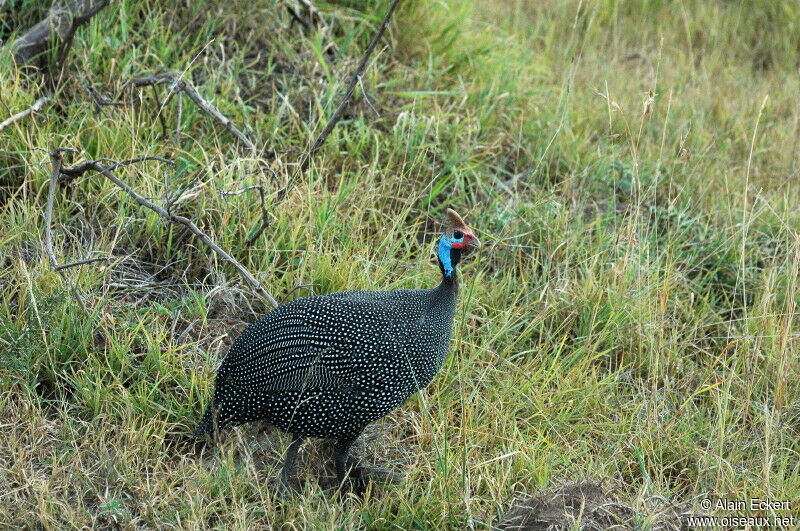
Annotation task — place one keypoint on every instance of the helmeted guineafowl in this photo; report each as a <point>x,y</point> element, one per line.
<point>326,366</point>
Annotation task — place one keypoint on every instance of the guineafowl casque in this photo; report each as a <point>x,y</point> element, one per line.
<point>326,366</point>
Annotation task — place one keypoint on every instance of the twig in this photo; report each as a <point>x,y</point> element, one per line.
<point>264,213</point>
<point>260,188</point>
<point>61,267</point>
<point>309,287</point>
<point>179,85</point>
<point>210,109</point>
<point>362,65</point>
<point>179,119</point>
<point>297,17</point>
<point>161,118</point>
<point>313,19</point>
<point>337,115</point>
<point>56,160</point>
<point>366,97</point>
<point>22,114</point>
<point>313,14</point>
<point>71,172</point>
<point>100,100</point>
<point>174,218</point>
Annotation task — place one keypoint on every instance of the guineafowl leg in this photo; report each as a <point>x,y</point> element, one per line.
<point>291,456</point>
<point>345,474</point>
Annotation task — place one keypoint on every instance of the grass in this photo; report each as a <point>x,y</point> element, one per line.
<point>631,168</point>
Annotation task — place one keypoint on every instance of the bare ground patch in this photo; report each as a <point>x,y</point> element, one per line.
<point>587,505</point>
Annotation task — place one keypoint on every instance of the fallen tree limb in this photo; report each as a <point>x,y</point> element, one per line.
<point>63,21</point>
<point>106,170</point>
<point>22,114</point>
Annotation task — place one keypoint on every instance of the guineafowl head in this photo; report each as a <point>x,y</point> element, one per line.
<point>455,240</point>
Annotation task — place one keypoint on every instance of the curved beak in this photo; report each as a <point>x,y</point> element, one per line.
<point>474,242</point>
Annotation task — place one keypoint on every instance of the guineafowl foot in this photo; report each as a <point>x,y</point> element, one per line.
<point>355,482</point>
<point>350,477</point>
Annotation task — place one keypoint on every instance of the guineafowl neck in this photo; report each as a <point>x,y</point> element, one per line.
<point>450,284</point>
<point>445,293</point>
<point>439,317</point>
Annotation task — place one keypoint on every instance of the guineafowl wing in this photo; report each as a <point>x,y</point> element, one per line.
<point>312,343</point>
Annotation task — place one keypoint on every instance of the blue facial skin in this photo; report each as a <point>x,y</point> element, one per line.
<point>445,244</point>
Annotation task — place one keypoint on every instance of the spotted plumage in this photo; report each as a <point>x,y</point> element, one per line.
<point>326,366</point>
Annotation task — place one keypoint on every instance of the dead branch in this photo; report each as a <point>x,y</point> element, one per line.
<point>22,114</point>
<point>297,17</point>
<point>101,100</point>
<point>56,160</point>
<point>309,287</point>
<point>69,173</point>
<point>63,21</point>
<point>97,166</point>
<point>61,267</point>
<point>337,115</point>
<point>309,17</point>
<point>264,212</point>
<point>311,12</point>
<point>362,65</point>
<point>178,85</point>
<point>179,119</point>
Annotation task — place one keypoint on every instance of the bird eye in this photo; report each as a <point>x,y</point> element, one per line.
<point>457,234</point>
